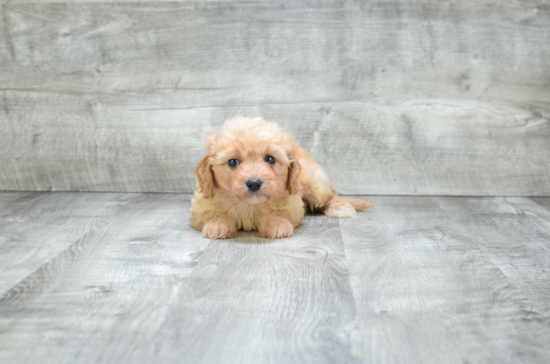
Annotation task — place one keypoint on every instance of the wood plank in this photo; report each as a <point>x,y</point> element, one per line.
<point>36,227</point>
<point>252,300</point>
<point>516,237</point>
<point>129,267</point>
<point>542,201</point>
<point>146,287</point>
<point>432,281</point>
<point>13,203</point>
<point>520,2</point>
<point>392,98</point>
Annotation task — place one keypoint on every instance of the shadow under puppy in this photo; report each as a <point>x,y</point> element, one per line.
<point>256,177</point>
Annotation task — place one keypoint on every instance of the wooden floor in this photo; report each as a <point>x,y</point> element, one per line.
<point>123,278</point>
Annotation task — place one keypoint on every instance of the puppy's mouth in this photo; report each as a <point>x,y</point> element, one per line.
<point>255,198</point>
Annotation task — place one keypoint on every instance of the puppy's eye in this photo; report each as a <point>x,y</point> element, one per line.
<point>269,159</point>
<point>233,163</point>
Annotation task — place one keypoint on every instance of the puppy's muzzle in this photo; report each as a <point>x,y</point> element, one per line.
<point>254,184</point>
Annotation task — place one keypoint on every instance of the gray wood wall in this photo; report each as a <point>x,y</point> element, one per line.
<point>431,97</point>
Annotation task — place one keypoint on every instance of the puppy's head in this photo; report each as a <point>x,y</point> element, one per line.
<point>251,159</point>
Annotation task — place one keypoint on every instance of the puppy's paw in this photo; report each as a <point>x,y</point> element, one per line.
<point>219,229</point>
<point>340,209</point>
<point>275,227</point>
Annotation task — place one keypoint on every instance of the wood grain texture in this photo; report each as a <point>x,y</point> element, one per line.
<point>253,300</point>
<point>36,227</point>
<point>416,279</point>
<point>123,272</point>
<point>452,280</point>
<point>521,250</point>
<point>145,287</point>
<point>420,97</point>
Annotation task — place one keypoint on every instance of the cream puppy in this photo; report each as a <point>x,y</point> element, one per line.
<point>256,177</point>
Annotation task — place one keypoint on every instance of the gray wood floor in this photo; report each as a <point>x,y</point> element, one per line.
<point>123,278</point>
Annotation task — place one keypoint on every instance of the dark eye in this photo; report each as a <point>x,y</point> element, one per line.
<point>233,163</point>
<point>269,159</point>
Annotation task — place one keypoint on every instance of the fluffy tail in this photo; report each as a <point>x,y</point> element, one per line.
<point>345,207</point>
<point>358,205</point>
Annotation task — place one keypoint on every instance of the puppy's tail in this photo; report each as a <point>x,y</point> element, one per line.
<point>358,205</point>
<point>345,207</point>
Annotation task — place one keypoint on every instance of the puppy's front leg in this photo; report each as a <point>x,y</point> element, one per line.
<point>275,227</point>
<point>281,216</point>
<point>219,228</point>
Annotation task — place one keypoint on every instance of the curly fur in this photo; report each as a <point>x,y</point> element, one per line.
<point>294,184</point>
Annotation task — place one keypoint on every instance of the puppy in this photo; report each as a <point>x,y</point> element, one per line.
<point>256,177</point>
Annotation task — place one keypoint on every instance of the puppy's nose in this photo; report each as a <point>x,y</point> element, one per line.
<point>254,184</point>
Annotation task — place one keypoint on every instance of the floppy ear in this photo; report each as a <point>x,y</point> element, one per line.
<point>205,177</point>
<point>292,182</point>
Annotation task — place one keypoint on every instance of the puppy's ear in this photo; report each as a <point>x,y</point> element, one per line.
<point>205,177</point>
<point>292,182</point>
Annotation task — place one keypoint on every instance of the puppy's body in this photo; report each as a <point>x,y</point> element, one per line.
<point>291,182</point>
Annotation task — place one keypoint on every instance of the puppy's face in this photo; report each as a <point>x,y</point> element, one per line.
<point>250,159</point>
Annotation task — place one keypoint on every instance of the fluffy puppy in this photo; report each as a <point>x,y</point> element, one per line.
<point>256,177</point>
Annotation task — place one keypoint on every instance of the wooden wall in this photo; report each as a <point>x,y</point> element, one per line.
<point>392,97</point>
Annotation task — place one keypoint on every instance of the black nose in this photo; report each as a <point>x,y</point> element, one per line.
<point>254,184</point>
